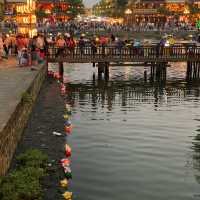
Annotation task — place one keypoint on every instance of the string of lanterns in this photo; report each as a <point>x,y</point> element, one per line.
<point>65,162</point>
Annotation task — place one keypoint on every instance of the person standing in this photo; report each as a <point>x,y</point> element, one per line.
<point>81,45</point>
<point>20,42</point>
<point>1,47</point>
<point>32,47</point>
<point>60,44</point>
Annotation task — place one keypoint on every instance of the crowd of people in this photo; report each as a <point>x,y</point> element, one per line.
<point>31,51</point>
<point>90,26</point>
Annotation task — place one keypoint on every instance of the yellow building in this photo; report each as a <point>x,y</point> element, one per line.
<point>23,13</point>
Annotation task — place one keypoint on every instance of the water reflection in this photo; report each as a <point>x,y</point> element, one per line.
<point>125,94</point>
<point>140,133</point>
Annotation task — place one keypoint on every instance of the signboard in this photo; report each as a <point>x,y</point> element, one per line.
<point>145,11</point>
<point>175,1</point>
<point>16,1</point>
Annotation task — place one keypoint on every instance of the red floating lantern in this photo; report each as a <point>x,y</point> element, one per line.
<point>68,129</point>
<point>65,162</point>
<point>68,150</point>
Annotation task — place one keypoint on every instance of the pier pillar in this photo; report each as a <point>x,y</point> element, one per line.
<point>152,75</point>
<point>158,71</point>
<point>193,71</point>
<point>61,69</point>
<point>145,76</point>
<point>106,71</point>
<point>103,67</point>
<point>100,69</point>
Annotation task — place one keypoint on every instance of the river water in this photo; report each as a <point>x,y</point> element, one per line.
<point>131,141</point>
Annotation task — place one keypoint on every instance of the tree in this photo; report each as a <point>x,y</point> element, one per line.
<point>76,7</point>
<point>163,10</point>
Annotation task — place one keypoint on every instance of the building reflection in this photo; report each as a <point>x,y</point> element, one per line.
<point>127,93</point>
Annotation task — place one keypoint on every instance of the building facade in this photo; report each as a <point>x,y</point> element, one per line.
<point>21,13</point>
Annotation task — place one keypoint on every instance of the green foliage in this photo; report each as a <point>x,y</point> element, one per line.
<point>40,13</point>
<point>114,8</point>
<point>24,182</point>
<point>193,9</point>
<point>163,10</point>
<point>76,7</point>
<point>27,98</point>
<point>32,158</point>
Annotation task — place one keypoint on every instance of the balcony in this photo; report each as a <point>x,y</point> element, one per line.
<point>146,11</point>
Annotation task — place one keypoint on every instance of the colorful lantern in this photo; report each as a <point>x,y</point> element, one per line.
<point>64,183</point>
<point>65,162</point>
<point>68,151</point>
<point>67,123</point>
<point>68,129</point>
<point>67,195</point>
<point>66,117</point>
<point>68,172</point>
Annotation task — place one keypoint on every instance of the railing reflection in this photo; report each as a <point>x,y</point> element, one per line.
<point>102,93</point>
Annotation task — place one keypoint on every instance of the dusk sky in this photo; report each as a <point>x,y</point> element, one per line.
<point>89,3</point>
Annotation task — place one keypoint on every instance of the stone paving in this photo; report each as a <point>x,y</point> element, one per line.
<point>13,82</point>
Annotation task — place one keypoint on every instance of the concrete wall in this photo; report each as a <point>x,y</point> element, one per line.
<point>12,132</point>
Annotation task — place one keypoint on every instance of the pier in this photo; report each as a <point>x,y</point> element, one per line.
<point>156,57</point>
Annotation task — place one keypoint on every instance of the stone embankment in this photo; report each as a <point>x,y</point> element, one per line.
<point>19,88</point>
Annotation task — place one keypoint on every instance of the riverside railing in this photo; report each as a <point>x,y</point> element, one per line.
<point>125,54</point>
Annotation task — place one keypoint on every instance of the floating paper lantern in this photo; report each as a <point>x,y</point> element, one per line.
<point>68,129</point>
<point>68,150</point>
<point>65,162</point>
<point>68,172</point>
<point>64,183</point>
<point>67,123</point>
<point>68,109</point>
<point>67,195</point>
<point>66,116</point>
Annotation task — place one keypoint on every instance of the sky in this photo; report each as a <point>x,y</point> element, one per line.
<point>89,3</point>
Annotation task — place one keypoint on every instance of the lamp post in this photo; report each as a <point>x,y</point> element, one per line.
<point>128,13</point>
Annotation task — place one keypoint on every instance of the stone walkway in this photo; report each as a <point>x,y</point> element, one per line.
<point>13,82</point>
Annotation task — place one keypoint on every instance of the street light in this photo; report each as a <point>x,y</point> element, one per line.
<point>128,12</point>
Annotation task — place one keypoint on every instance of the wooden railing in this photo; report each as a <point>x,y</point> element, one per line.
<point>125,54</point>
